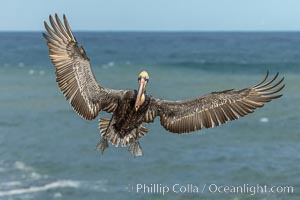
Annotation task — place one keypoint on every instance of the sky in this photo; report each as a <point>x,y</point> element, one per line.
<point>154,15</point>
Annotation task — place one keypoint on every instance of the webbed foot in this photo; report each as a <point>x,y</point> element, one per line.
<point>135,149</point>
<point>102,145</point>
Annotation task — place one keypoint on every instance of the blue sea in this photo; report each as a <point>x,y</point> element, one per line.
<point>48,152</point>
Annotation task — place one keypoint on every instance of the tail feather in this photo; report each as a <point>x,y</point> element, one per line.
<point>143,130</point>
<point>115,138</point>
<point>133,135</point>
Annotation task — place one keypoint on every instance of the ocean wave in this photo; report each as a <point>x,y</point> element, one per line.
<point>30,171</point>
<point>264,120</point>
<point>22,166</point>
<point>29,181</point>
<point>10,184</point>
<point>99,186</point>
<point>49,186</point>
<point>57,195</point>
<point>108,65</point>
<point>31,72</point>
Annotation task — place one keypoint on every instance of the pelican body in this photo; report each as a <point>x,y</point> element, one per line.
<point>125,127</point>
<point>131,108</point>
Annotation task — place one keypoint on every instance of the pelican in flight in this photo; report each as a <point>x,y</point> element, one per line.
<point>131,108</point>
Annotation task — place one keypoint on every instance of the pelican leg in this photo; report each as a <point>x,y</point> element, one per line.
<point>102,145</point>
<point>135,149</point>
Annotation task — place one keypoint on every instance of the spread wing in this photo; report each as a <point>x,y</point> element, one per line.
<point>74,74</point>
<point>212,109</point>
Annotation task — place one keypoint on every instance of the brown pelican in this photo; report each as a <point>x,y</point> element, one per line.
<point>131,108</point>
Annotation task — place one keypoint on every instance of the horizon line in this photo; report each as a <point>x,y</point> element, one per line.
<point>162,31</point>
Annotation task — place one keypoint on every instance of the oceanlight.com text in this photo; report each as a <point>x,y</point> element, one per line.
<point>249,189</point>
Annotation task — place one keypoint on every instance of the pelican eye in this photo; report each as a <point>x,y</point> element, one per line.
<point>146,79</point>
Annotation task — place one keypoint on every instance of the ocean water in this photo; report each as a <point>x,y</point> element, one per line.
<point>48,152</point>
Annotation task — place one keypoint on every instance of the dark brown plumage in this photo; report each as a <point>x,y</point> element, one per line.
<point>131,108</point>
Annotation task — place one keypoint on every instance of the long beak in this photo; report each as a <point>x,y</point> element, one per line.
<point>142,83</point>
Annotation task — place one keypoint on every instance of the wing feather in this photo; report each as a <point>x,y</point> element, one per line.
<point>213,109</point>
<point>74,74</point>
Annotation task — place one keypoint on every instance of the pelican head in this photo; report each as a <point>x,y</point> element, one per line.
<point>143,80</point>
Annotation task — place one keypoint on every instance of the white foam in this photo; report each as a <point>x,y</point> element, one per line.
<point>35,175</point>
<point>111,64</point>
<point>96,185</point>
<point>9,184</point>
<point>22,166</point>
<point>57,195</point>
<point>108,65</point>
<point>31,72</point>
<point>57,184</point>
<point>264,120</point>
<point>29,171</point>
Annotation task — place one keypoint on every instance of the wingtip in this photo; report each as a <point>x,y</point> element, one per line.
<point>65,18</point>
<point>264,79</point>
<point>277,96</point>
<point>54,15</point>
<point>46,25</point>
<point>44,35</point>
<point>280,88</point>
<point>50,18</point>
<point>57,17</point>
